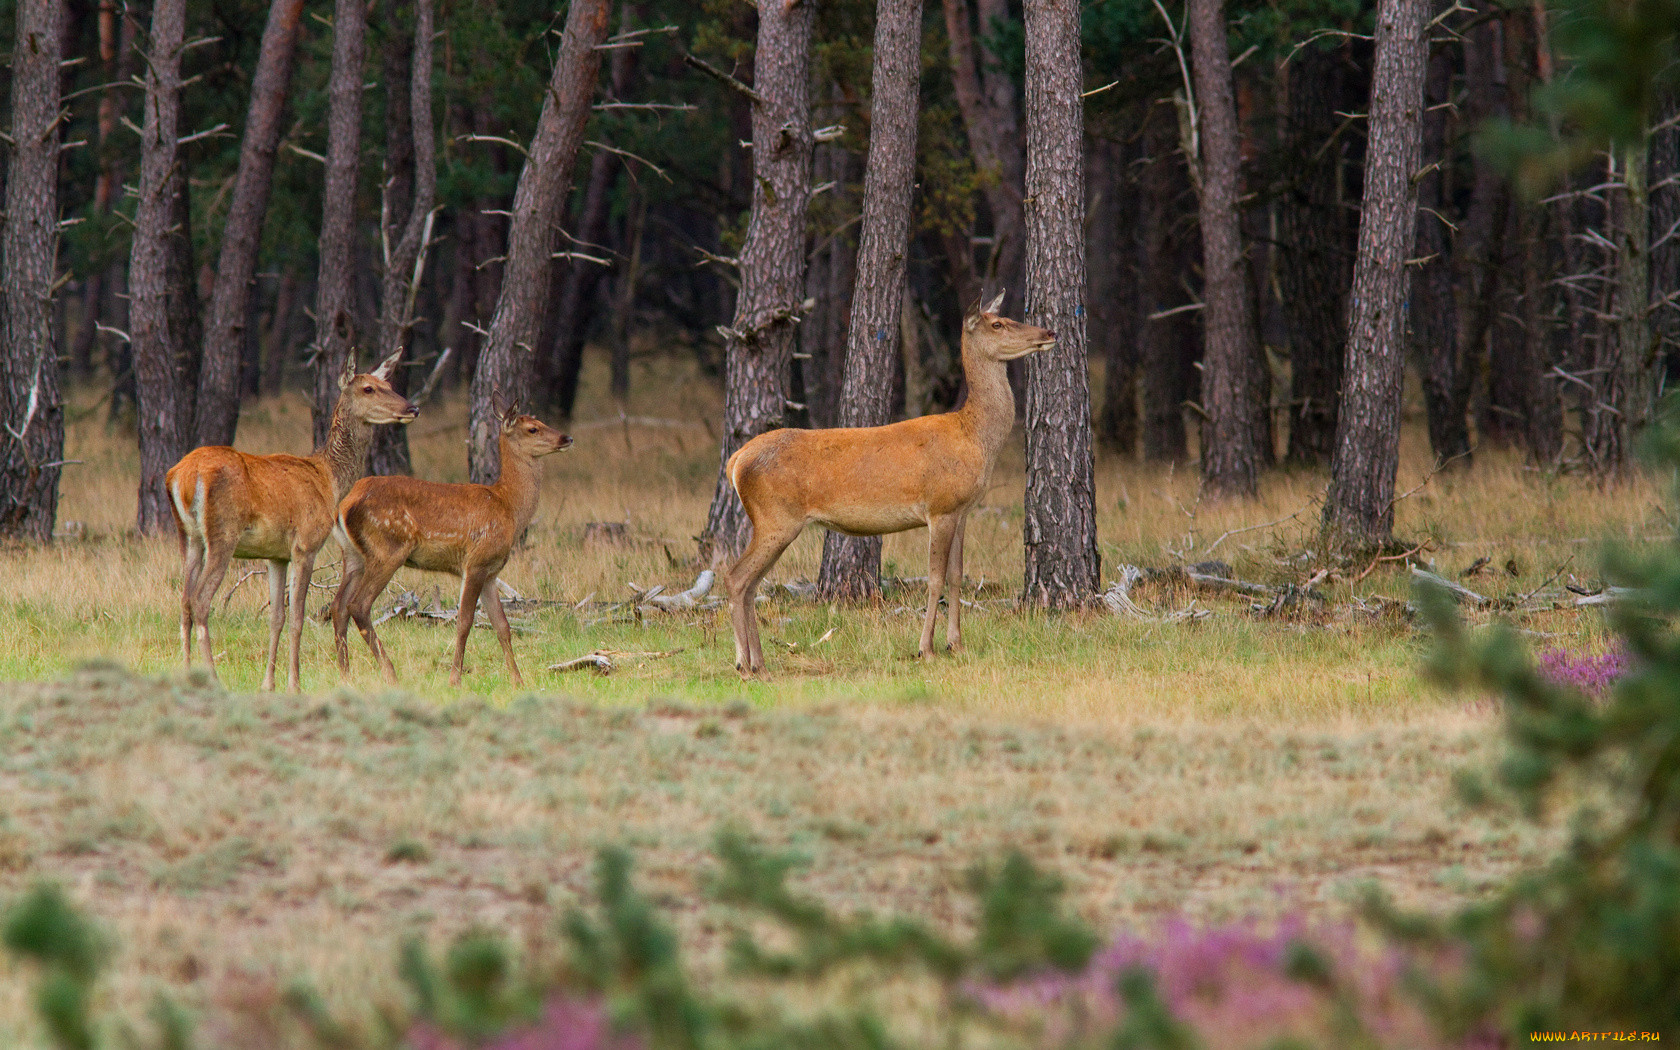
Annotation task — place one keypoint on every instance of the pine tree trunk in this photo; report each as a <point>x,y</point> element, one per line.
<point>851,565</point>
<point>1359,508</point>
<point>335,310</point>
<point>32,442</point>
<point>506,364</point>
<point>164,399</point>
<point>1113,294</point>
<point>758,345</point>
<point>406,231</point>
<point>1230,458</point>
<point>1167,346</point>
<point>1440,356</point>
<point>1628,372</point>
<point>1062,565</point>
<point>1316,265</point>
<point>230,301</point>
<point>986,98</point>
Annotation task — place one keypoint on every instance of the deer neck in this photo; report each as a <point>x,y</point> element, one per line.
<point>989,412</point>
<point>518,483</point>
<point>345,452</point>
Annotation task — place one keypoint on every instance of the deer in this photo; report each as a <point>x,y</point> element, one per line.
<point>868,481</point>
<point>386,523</point>
<point>231,504</point>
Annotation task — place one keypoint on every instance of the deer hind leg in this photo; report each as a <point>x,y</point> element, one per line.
<point>303,570</point>
<point>742,585</point>
<point>953,588</point>
<point>276,617</point>
<point>354,566</point>
<point>492,602</point>
<point>472,583</point>
<point>942,532</point>
<point>218,554</point>
<point>369,583</point>
<point>192,567</point>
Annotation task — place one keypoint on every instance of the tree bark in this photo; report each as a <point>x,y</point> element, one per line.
<point>505,364</point>
<point>164,399</point>
<point>1113,293</point>
<point>1359,508</point>
<point>758,344</point>
<point>230,301</point>
<point>32,442</point>
<point>851,565</point>
<point>1230,458</point>
<point>1060,531</point>
<point>1627,373</point>
<point>406,233</point>
<point>1167,346</point>
<point>1317,260</point>
<point>335,310</point>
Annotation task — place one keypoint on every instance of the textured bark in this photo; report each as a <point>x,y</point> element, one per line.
<point>1317,257</point>
<point>758,344</point>
<point>32,442</point>
<point>106,184</point>
<point>230,301</point>
<point>1359,508</point>
<point>406,222</point>
<point>277,340</point>
<point>1060,531</point>
<point>986,98</point>
<point>577,280</point>
<point>164,398</point>
<point>506,363</point>
<point>1230,456</point>
<point>1167,346</point>
<point>1665,216</point>
<point>1113,286</point>
<point>851,565</point>
<point>1440,355</point>
<point>1484,242</point>
<point>1626,379</point>
<point>335,310</point>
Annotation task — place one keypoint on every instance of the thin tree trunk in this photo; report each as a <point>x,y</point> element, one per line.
<point>625,300</point>
<point>758,345</point>
<point>1114,292</point>
<point>1167,346</point>
<point>851,565</point>
<point>32,441</point>
<point>1230,459</point>
<point>986,98</point>
<point>1359,508</point>
<point>505,364</point>
<point>277,342</point>
<point>1628,369</point>
<point>165,417</point>
<point>406,233</point>
<point>1441,363</point>
<point>335,310</point>
<point>1060,531</point>
<point>1317,264</point>
<point>230,302</point>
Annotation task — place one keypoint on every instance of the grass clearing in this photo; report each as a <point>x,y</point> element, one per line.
<point>1231,767</point>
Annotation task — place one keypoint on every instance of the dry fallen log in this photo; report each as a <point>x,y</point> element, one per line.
<point>600,663</point>
<point>1458,591</point>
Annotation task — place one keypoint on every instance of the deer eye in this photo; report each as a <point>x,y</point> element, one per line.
<point>367,389</point>
<point>530,430</point>
<point>997,324</point>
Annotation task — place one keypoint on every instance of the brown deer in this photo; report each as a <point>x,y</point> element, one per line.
<point>231,504</point>
<point>467,530</point>
<point>867,481</point>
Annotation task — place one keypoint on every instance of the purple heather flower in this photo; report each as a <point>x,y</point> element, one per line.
<point>1591,674</point>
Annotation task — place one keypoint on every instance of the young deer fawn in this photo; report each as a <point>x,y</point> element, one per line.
<point>230,504</point>
<point>867,481</point>
<point>467,530</point>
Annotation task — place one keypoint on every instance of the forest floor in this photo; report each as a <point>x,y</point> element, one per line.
<point>1236,765</point>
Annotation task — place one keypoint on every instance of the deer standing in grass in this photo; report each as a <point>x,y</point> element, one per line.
<point>868,481</point>
<point>231,504</point>
<point>468,530</point>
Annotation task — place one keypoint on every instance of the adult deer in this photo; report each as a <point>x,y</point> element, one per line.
<point>231,504</point>
<point>467,530</point>
<point>868,481</point>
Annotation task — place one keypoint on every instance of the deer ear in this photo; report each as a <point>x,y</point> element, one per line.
<point>387,366</point>
<point>349,372</point>
<point>997,304</point>
<point>510,416</point>
<point>971,319</point>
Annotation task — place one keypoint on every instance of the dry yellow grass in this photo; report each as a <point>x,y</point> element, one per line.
<point>1234,766</point>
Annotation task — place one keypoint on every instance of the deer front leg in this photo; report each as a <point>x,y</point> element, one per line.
<point>504,633</point>
<point>472,583</point>
<point>276,617</point>
<point>941,533</point>
<point>303,570</point>
<point>953,585</point>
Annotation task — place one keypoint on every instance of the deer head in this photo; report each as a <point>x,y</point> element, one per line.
<point>1000,339</point>
<point>371,398</point>
<point>528,435</point>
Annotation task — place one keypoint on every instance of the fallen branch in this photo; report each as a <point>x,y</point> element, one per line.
<point>1458,591</point>
<point>685,600</point>
<point>598,662</point>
